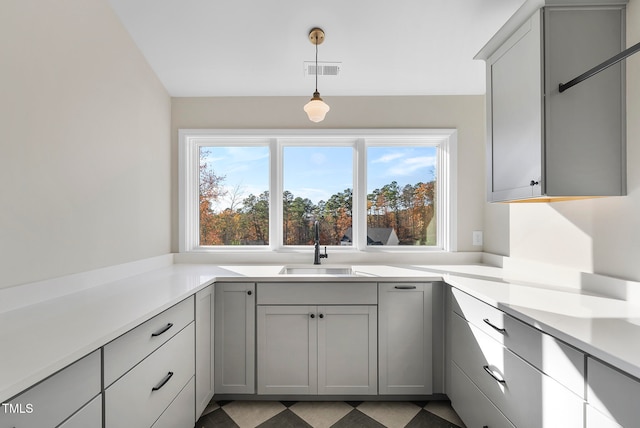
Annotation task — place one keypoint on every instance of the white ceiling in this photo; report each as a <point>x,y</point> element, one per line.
<point>257,47</point>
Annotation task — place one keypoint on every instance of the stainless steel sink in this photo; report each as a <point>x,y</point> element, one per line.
<point>317,270</point>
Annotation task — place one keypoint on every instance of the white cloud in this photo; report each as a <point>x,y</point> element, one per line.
<point>313,194</point>
<point>411,165</point>
<point>388,158</point>
<point>318,158</point>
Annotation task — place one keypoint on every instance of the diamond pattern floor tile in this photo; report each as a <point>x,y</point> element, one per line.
<point>321,414</point>
<point>396,414</point>
<point>445,411</point>
<point>212,406</point>
<point>357,419</point>
<point>216,419</point>
<point>425,419</point>
<point>285,419</point>
<point>329,414</point>
<point>250,414</point>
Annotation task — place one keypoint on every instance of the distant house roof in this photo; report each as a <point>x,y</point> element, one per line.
<point>375,236</point>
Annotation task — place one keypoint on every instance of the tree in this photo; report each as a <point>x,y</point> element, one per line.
<point>209,192</point>
<point>409,210</point>
<point>256,218</point>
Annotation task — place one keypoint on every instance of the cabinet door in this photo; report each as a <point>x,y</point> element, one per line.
<point>89,416</point>
<point>204,349</point>
<point>234,338</point>
<point>347,350</point>
<point>514,109</point>
<point>287,350</point>
<point>585,126</point>
<point>405,334</point>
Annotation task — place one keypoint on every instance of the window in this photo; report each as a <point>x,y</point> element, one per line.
<point>401,189</point>
<point>317,182</point>
<point>233,195</point>
<point>369,190</point>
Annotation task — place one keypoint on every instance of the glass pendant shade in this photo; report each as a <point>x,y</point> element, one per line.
<point>316,109</point>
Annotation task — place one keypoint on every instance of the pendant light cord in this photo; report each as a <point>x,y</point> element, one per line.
<point>316,63</point>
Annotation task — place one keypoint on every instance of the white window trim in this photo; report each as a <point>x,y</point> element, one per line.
<point>188,179</point>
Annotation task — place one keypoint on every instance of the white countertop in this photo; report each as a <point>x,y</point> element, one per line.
<point>40,339</point>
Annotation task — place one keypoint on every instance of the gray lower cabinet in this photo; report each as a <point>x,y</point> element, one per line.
<point>147,370</point>
<point>612,396</point>
<point>58,397</point>
<point>405,338</point>
<point>471,404</point>
<point>234,338</point>
<point>87,417</point>
<point>529,377</point>
<point>179,414</point>
<point>311,349</point>
<point>143,394</point>
<point>204,317</point>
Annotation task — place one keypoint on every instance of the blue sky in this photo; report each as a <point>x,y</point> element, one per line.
<point>406,165</point>
<point>246,168</point>
<point>318,172</point>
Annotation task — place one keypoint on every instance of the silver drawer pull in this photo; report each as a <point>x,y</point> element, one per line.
<point>498,329</point>
<point>497,379</point>
<point>405,287</point>
<point>162,382</point>
<point>162,330</point>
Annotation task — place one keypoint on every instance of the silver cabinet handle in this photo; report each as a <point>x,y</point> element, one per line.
<point>497,379</point>
<point>405,287</point>
<point>498,329</point>
<point>162,382</point>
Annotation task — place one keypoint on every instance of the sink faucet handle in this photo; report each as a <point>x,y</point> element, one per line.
<point>325,255</point>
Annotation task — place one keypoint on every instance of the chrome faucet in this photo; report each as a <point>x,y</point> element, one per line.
<point>316,247</point>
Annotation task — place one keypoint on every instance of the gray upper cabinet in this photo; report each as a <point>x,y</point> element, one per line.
<point>543,144</point>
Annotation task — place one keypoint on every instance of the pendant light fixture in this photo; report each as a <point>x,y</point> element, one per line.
<point>316,109</point>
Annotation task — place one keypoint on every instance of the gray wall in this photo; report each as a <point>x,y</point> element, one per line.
<point>85,147</point>
<point>466,113</point>
<point>597,235</point>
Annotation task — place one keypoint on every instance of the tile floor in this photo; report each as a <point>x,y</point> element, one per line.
<point>333,414</point>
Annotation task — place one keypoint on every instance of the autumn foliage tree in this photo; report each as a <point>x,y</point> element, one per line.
<point>409,211</point>
<point>210,191</point>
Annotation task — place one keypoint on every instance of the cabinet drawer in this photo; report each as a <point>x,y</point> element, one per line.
<point>317,293</point>
<point>595,419</point>
<point>90,416</point>
<point>509,382</point>
<point>56,398</point>
<point>549,355</point>
<point>132,401</point>
<point>129,349</point>
<point>613,393</point>
<point>180,412</point>
<point>472,405</point>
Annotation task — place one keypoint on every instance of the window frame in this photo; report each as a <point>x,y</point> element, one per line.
<point>190,141</point>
